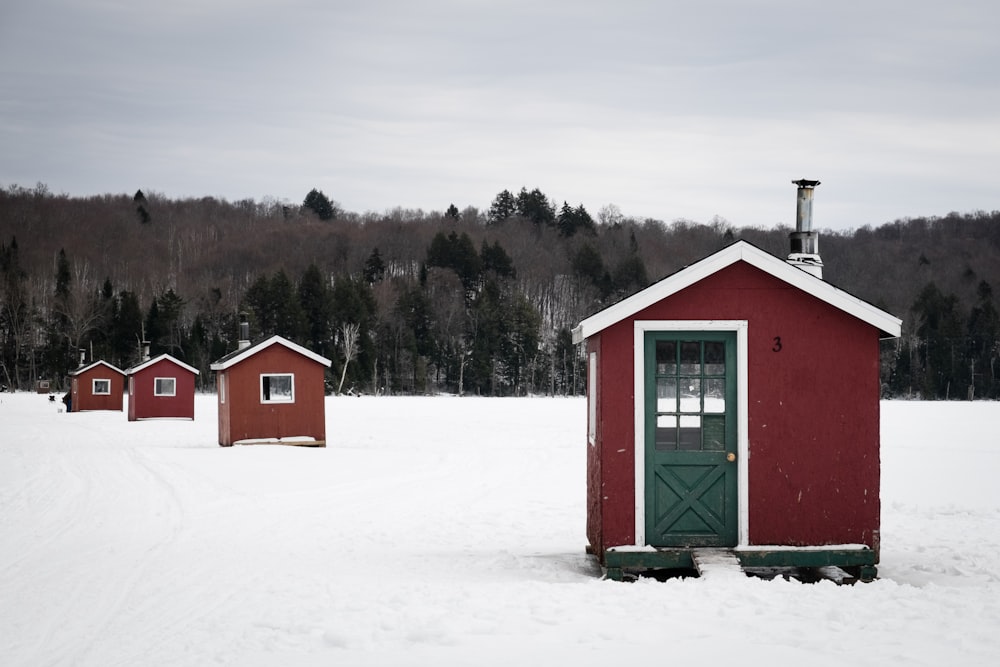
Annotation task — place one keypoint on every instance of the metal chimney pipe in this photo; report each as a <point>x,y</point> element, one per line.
<point>145,350</point>
<point>244,340</point>
<point>804,241</point>
<point>804,210</point>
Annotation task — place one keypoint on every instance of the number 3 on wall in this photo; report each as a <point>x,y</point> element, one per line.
<point>777,344</point>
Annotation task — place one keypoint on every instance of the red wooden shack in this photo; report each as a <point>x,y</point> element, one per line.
<point>97,386</point>
<point>271,392</point>
<point>161,388</point>
<point>734,406</point>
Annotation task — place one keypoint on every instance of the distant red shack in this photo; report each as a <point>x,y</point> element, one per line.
<point>97,386</point>
<point>734,406</point>
<point>161,388</point>
<point>271,392</point>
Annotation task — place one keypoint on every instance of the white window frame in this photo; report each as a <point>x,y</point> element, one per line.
<point>93,387</point>
<point>156,386</point>
<point>288,399</point>
<point>592,398</point>
<point>222,388</point>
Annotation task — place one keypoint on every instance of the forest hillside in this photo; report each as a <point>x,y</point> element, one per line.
<point>459,301</point>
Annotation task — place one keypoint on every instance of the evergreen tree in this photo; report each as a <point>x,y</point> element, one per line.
<point>126,328</point>
<point>289,318</point>
<point>275,308</point>
<point>941,344</point>
<point>16,316</point>
<point>317,308</point>
<point>415,342</point>
<point>60,354</point>
<point>572,220</point>
<point>630,274</point>
<point>584,223</point>
<point>318,203</point>
<point>156,329</point>
<point>493,258</point>
<point>504,338</point>
<point>566,221</point>
<point>171,311</point>
<point>353,303</point>
<point>374,268</point>
<point>984,345</point>
<point>503,206</point>
<point>589,267</point>
<point>535,206</point>
<point>257,303</point>
<point>452,212</point>
<point>63,277</point>
<point>101,339</point>
<point>140,207</point>
<point>456,252</point>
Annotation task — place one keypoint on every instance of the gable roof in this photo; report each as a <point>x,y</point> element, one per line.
<point>236,357</point>
<point>84,369</point>
<point>162,357</point>
<point>741,251</point>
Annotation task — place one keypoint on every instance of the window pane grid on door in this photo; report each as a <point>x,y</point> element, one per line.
<point>690,395</point>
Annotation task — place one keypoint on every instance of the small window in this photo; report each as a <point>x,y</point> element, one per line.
<point>164,386</point>
<point>222,388</point>
<point>102,387</point>
<point>277,388</point>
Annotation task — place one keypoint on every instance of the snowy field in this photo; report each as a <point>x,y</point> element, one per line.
<point>446,531</point>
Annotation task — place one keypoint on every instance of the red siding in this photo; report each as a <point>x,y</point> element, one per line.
<point>144,404</point>
<point>244,417</point>
<point>813,411</point>
<point>83,397</point>
<point>617,429</point>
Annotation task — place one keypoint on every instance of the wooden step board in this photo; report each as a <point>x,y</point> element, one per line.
<point>717,563</point>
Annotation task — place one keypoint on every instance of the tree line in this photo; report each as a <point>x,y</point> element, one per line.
<point>459,301</point>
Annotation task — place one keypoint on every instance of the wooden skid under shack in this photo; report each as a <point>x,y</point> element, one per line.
<point>294,441</point>
<point>846,564</point>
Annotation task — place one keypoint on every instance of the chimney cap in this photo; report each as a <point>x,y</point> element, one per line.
<point>805,183</point>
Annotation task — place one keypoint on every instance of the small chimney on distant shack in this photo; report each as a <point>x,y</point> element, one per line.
<point>244,341</point>
<point>145,350</point>
<point>804,241</point>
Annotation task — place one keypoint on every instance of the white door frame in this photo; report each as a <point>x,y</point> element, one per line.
<point>741,327</point>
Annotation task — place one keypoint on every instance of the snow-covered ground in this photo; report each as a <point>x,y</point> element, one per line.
<point>446,531</point>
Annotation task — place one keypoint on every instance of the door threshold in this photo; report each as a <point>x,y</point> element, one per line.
<point>717,563</point>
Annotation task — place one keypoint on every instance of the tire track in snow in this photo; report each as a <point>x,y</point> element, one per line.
<point>100,545</point>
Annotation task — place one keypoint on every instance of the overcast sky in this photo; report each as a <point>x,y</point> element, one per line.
<point>665,109</point>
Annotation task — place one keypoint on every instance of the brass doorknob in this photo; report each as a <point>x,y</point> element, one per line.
<point>730,457</point>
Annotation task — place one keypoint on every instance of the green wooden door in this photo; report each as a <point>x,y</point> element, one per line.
<point>690,439</point>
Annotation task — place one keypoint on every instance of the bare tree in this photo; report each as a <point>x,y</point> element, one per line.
<point>16,316</point>
<point>81,307</point>
<point>349,334</point>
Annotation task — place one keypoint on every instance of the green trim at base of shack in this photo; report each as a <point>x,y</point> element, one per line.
<point>859,563</point>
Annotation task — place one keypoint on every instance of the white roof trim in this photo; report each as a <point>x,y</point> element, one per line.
<point>145,364</point>
<point>273,340</point>
<point>751,254</point>
<point>83,369</point>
